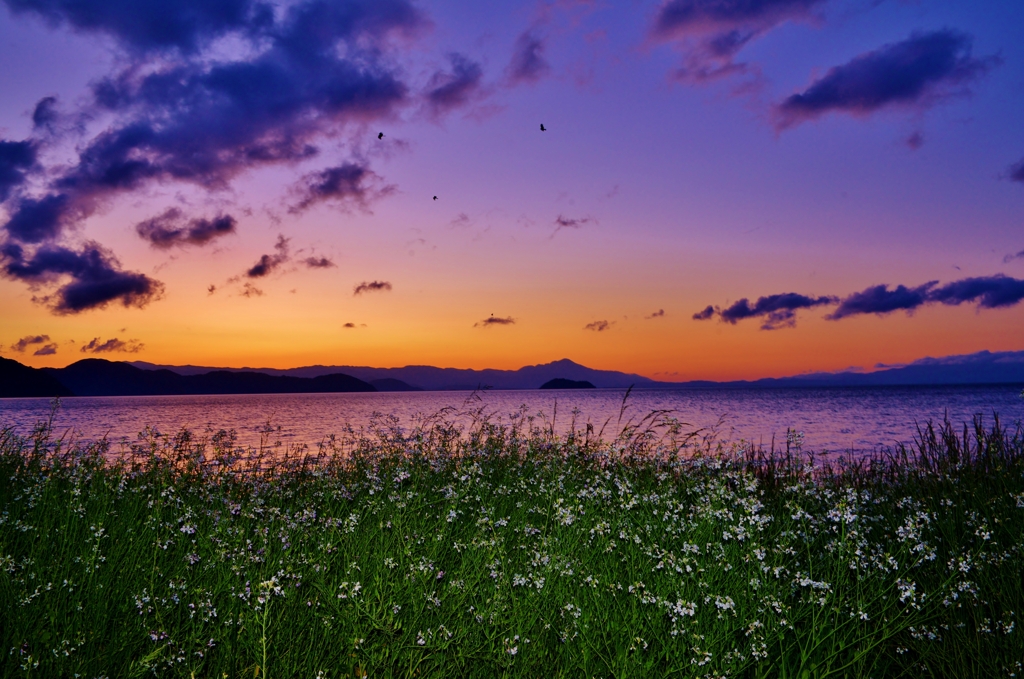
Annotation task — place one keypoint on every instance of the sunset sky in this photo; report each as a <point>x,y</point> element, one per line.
<point>725,189</point>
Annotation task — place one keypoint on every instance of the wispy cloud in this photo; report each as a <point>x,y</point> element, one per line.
<point>563,222</point>
<point>348,184</point>
<point>172,229</point>
<point>319,263</point>
<point>528,64</point>
<point>269,263</point>
<point>660,313</point>
<point>916,72</point>
<point>776,311</point>
<point>599,326</point>
<point>454,88</point>
<point>24,343</point>
<point>711,33</point>
<point>494,320</point>
<point>96,346</point>
<point>372,286</point>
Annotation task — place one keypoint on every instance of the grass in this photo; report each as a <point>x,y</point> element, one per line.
<point>474,546</point>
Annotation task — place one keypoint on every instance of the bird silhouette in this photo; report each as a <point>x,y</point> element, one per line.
<point>542,128</point>
<point>435,197</point>
<point>380,135</point>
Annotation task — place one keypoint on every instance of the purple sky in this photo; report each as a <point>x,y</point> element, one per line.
<point>724,188</point>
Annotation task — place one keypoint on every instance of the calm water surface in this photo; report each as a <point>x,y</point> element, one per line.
<point>835,419</point>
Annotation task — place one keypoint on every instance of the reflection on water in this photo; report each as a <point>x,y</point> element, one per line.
<point>836,419</point>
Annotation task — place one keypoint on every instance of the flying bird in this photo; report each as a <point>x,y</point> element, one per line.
<point>380,135</point>
<point>542,128</point>
<point>435,197</point>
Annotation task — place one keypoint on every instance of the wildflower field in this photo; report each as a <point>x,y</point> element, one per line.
<point>498,547</point>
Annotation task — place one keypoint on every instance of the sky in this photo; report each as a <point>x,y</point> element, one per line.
<point>683,189</point>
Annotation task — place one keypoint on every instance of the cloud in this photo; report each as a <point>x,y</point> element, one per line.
<point>528,64</point>
<point>318,263</point>
<point>1009,258</point>
<point>779,311</point>
<point>878,299</point>
<point>705,313</point>
<point>912,73</point>
<point>494,320</point>
<point>1016,171</point>
<point>182,25</point>
<point>447,91</point>
<point>205,90</point>
<point>44,115</point>
<point>268,263</point>
<point>112,345</point>
<point>16,158</point>
<point>46,350</point>
<point>172,229</point>
<point>563,222</point>
<point>989,292</point>
<point>915,141</point>
<point>346,184</point>
<point>349,325</point>
<point>96,277</point>
<point>371,286</point>
<point>250,290</point>
<point>599,326</point>
<point>657,314</point>
<point>25,342</point>
<point>710,33</point>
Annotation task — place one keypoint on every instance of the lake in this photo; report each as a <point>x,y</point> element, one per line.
<point>839,419</point>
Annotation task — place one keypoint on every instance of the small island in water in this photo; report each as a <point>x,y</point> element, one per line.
<point>562,383</point>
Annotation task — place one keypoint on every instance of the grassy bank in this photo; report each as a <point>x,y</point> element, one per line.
<point>501,549</point>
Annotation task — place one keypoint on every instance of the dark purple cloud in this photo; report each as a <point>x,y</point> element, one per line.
<point>563,222</point>
<point>172,229</point>
<point>182,25</point>
<point>710,33</point>
<point>990,292</point>
<point>913,72</point>
<point>25,342</point>
<point>879,299</point>
<point>95,346</point>
<point>599,326</point>
<point>657,314</point>
<point>778,311</point>
<point>449,90</point>
<point>44,115</point>
<point>528,64</point>
<point>705,313</point>
<point>96,277</point>
<point>1009,258</point>
<point>16,158</point>
<point>268,263</point>
<point>318,263</point>
<point>371,286</point>
<point>1016,172</point>
<point>495,320</point>
<point>46,350</point>
<point>250,290</point>
<point>349,183</point>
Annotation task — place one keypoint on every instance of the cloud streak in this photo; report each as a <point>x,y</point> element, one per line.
<point>267,264</point>
<point>711,33</point>
<point>915,72</point>
<point>599,326</point>
<point>172,229</point>
<point>25,342</point>
<point>455,88</point>
<point>371,286</point>
<point>493,321</point>
<point>344,185</point>
<point>95,346</point>
<point>528,64</point>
